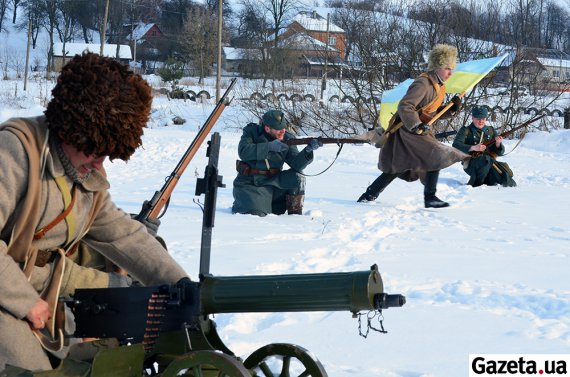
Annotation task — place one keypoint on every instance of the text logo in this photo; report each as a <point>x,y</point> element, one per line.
<point>519,365</point>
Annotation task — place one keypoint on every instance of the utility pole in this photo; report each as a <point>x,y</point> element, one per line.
<point>219,70</point>
<point>133,38</point>
<point>104,28</point>
<point>27,53</point>
<point>324,83</point>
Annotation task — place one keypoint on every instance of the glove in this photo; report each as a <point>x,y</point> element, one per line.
<point>313,145</point>
<point>456,104</point>
<point>150,224</point>
<point>420,129</point>
<point>277,146</point>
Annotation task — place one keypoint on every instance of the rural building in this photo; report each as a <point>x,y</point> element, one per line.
<point>61,56</point>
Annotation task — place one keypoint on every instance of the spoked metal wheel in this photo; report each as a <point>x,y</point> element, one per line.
<point>284,360</point>
<point>206,364</point>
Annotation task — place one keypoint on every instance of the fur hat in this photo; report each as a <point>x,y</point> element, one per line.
<point>442,56</point>
<point>479,112</point>
<point>99,106</point>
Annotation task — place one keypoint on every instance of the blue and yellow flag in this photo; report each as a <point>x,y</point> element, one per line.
<point>465,76</point>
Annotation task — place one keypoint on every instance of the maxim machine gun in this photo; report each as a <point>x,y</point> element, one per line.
<point>166,330</point>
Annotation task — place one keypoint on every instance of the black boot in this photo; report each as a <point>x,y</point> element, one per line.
<point>430,185</point>
<point>376,187</point>
<point>295,204</point>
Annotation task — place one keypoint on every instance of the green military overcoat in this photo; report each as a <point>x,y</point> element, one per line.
<point>483,169</point>
<point>262,194</point>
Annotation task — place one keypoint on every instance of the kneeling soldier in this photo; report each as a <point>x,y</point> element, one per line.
<point>483,167</point>
<point>262,186</point>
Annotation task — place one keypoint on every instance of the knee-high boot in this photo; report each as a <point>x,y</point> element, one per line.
<point>376,187</point>
<point>295,204</point>
<point>430,187</point>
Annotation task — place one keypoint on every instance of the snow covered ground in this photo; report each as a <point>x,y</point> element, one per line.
<point>487,275</point>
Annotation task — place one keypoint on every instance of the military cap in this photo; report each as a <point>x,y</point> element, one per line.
<point>479,112</point>
<point>274,119</point>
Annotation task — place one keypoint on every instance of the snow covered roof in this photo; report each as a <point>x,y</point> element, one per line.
<point>312,21</point>
<point>320,60</point>
<point>560,63</point>
<point>232,53</point>
<point>109,50</point>
<point>302,41</point>
<point>546,57</point>
<point>139,31</point>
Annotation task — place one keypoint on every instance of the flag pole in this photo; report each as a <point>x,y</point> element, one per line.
<point>447,107</point>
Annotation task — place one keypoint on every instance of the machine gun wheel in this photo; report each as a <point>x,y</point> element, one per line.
<point>282,359</point>
<point>206,363</point>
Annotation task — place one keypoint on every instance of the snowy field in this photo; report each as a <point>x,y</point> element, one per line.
<point>487,275</point>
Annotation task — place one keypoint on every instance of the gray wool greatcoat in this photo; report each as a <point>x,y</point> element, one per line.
<point>113,233</point>
<point>410,155</point>
<point>260,194</point>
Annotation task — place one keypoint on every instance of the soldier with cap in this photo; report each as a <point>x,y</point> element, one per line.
<point>483,167</point>
<point>262,186</point>
<point>54,194</point>
<point>411,150</point>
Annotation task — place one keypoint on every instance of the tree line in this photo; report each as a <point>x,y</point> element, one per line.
<point>386,41</point>
<point>190,27</point>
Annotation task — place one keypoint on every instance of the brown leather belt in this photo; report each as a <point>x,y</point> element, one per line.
<point>245,169</point>
<point>44,257</point>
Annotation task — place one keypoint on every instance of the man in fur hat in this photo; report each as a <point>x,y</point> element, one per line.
<point>483,167</point>
<point>262,186</point>
<point>411,150</point>
<point>54,193</point>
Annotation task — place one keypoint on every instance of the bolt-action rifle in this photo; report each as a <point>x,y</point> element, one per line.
<point>505,134</point>
<point>152,209</point>
<point>510,132</point>
<point>334,140</point>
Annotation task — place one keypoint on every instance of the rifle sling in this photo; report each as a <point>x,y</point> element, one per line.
<point>38,235</point>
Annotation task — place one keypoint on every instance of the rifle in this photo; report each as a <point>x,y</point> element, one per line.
<point>507,133</point>
<point>324,140</point>
<point>334,140</point>
<point>151,209</point>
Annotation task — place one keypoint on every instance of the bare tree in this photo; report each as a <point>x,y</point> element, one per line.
<point>199,38</point>
<point>556,25</point>
<point>3,9</point>
<point>33,13</point>
<point>278,12</point>
<point>253,35</point>
<point>15,4</point>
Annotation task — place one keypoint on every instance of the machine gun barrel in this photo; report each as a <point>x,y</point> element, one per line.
<point>339,291</point>
<point>124,312</point>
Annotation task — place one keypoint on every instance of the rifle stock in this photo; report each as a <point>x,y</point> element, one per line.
<point>152,209</point>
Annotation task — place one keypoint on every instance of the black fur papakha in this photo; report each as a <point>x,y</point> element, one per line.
<point>99,106</point>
